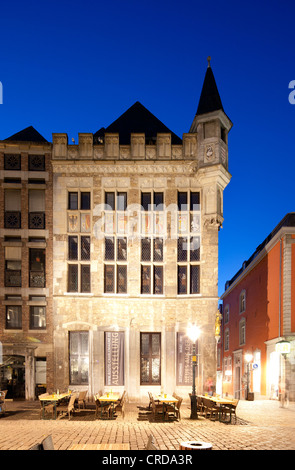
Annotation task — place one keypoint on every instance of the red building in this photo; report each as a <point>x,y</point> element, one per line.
<point>258,312</point>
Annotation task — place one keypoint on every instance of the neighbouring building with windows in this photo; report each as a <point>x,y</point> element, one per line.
<point>258,314</point>
<point>26,325</point>
<point>133,230</point>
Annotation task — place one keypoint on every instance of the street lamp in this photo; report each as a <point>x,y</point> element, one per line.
<point>248,359</point>
<point>193,332</point>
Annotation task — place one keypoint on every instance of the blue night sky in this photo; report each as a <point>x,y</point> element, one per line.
<point>74,67</point>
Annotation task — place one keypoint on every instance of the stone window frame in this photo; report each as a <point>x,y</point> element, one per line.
<point>116,265</point>
<point>154,263</point>
<point>80,266</point>
<point>149,357</point>
<point>78,356</point>
<point>19,326</point>
<point>192,232</point>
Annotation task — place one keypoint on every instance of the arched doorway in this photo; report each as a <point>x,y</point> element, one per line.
<point>12,376</point>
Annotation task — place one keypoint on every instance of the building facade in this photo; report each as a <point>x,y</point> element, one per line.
<point>136,212</point>
<point>258,313</point>
<point>26,274</point>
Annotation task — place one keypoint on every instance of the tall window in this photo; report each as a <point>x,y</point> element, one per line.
<point>116,243</point>
<point>189,242</point>
<point>79,243</point>
<point>37,312</point>
<point>37,209</point>
<point>227,369</point>
<point>242,301</point>
<point>226,314</point>
<point>242,332</point>
<point>150,358</point>
<point>226,339</point>
<point>12,207</point>
<point>152,243</point>
<point>13,317</point>
<point>79,357</point>
<point>37,267</point>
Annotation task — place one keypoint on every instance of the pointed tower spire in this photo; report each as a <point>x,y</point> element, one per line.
<point>209,99</point>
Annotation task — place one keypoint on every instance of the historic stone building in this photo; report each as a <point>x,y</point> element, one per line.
<point>26,340</point>
<point>136,215</point>
<point>109,250</point>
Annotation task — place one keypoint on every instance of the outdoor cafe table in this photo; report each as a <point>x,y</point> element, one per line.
<point>110,398</point>
<point>54,398</point>
<point>219,401</point>
<point>166,399</point>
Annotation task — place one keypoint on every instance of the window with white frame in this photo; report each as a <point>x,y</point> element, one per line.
<point>242,332</point>
<point>242,302</point>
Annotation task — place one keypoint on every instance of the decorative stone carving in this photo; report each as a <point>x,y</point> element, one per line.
<point>125,153</point>
<point>150,152</point>
<point>209,153</point>
<point>73,152</point>
<point>176,152</point>
<point>98,152</point>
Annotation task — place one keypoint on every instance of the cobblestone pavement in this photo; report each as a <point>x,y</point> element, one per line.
<point>261,425</point>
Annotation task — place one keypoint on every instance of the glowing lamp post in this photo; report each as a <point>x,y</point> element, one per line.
<point>193,333</point>
<point>283,347</point>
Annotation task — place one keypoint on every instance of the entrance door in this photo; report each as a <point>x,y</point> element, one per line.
<point>12,376</point>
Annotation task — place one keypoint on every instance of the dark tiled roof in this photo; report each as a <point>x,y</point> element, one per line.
<point>209,99</point>
<point>27,135</point>
<point>287,221</point>
<point>137,119</point>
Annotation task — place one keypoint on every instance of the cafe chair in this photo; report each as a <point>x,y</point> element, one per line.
<point>150,444</point>
<point>67,409</point>
<point>229,410</point>
<point>211,410</point>
<point>81,399</point>
<point>176,409</point>
<point>200,405</point>
<point>36,447</point>
<point>2,402</point>
<point>120,405</point>
<point>47,443</point>
<point>101,408</point>
<point>157,409</point>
